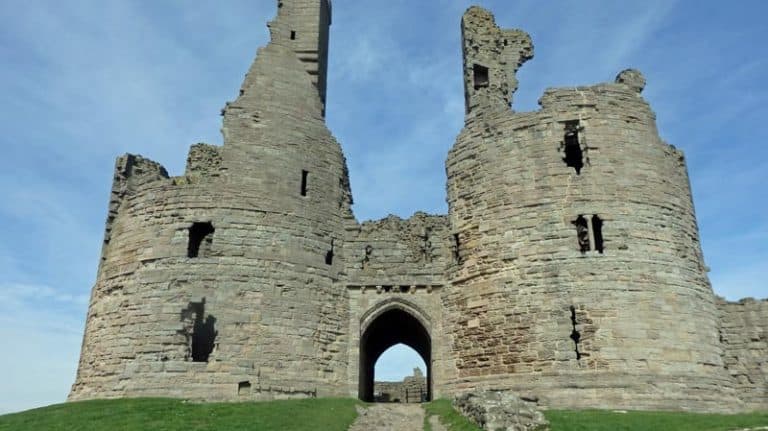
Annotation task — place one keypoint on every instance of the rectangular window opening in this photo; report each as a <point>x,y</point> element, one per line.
<point>456,248</point>
<point>481,76</point>
<point>574,156</point>
<point>293,35</point>
<point>200,239</point>
<point>597,231</point>
<point>304,179</point>
<point>244,388</point>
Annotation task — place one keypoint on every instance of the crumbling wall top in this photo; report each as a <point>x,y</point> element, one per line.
<point>632,78</point>
<point>492,57</point>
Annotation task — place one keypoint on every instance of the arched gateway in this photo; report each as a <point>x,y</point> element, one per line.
<point>396,322</point>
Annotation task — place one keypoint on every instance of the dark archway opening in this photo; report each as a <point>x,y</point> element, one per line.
<point>392,327</point>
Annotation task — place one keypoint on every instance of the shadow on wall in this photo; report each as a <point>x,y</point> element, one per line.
<point>200,331</point>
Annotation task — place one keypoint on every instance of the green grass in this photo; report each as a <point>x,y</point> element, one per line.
<point>592,420</point>
<point>448,416</point>
<point>324,415</point>
<point>595,420</point>
<point>176,415</point>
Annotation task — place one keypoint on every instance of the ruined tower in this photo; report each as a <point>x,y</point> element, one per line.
<point>568,266</point>
<point>221,281</point>
<point>580,268</point>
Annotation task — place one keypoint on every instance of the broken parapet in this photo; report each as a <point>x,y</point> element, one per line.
<point>492,57</point>
<point>131,173</point>
<point>744,335</point>
<point>632,78</point>
<point>203,161</point>
<point>412,249</point>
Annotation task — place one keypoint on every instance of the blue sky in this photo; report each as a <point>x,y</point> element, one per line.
<point>84,81</point>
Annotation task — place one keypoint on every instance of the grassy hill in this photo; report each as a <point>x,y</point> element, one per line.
<point>176,415</point>
<point>323,415</point>
<point>596,420</point>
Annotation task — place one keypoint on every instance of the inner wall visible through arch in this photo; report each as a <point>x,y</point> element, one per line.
<point>390,328</point>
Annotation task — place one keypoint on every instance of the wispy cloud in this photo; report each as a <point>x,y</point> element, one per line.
<point>14,295</point>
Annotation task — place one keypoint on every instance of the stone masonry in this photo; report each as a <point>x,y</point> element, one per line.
<point>568,266</point>
<point>412,389</point>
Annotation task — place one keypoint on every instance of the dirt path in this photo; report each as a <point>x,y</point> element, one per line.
<point>434,421</point>
<point>388,417</point>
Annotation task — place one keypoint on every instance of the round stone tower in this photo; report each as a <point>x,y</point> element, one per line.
<point>218,284</point>
<point>578,275</point>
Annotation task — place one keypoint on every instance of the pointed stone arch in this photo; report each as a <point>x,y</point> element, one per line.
<point>395,321</point>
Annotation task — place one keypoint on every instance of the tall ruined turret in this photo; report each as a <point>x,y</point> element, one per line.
<point>219,283</point>
<point>579,274</point>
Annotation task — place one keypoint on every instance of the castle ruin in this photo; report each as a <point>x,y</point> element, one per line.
<point>568,266</point>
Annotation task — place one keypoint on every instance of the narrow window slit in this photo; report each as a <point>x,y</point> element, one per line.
<point>329,254</point>
<point>293,35</point>
<point>582,233</point>
<point>304,180</point>
<point>575,335</point>
<point>200,239</point>
<point>597,231</point>
<point>481,76</point>
<point>574,156</point>
<point>456,248</point>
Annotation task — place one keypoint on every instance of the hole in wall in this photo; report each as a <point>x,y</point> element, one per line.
<point>329,254</point>
<point>582,233</point>
<point>456,249</point>
<point>304,182</point>
<point>597,231</point>
<point>244,388</point>
<point>293,35</point>
<point>575,335</point>
<point>574,156</point>
<point>200,239</point>
<point>481,76</point>
<point>367,257</point>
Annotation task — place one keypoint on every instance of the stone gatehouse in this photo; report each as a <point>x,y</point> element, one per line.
<point>568,266</point>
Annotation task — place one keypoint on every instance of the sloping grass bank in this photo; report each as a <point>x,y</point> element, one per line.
<point>596,420</point>
<point>176,415</point>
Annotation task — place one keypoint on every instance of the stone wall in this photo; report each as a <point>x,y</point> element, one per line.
<point>744,333</point>
<point>222,284</point>
<point>579,274</point>
<point>412,389</point>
